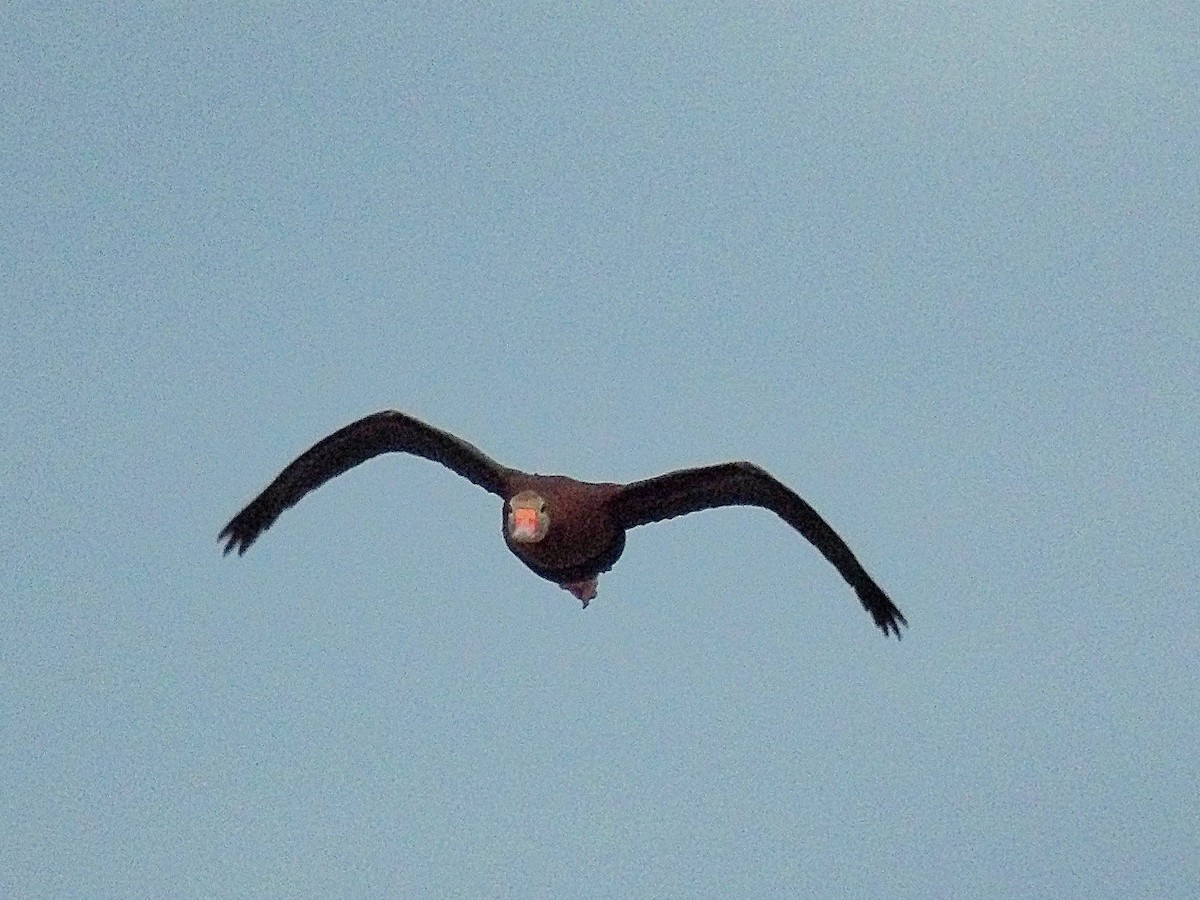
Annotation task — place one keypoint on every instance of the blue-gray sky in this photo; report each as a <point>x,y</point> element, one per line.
<point>932,264</point>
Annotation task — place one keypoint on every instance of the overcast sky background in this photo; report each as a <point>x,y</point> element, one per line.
<point>933,264</point>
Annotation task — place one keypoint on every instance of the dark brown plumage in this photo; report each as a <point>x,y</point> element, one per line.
<point>566,531</point>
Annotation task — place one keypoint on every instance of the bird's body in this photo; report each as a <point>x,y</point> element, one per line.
<point>583,539</point>
<point>564,530</point>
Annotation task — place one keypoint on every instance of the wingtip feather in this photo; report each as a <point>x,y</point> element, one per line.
<point>887,616</point>
<point>237,537</point>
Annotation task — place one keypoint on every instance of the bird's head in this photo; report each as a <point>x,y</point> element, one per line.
<point>527,519</point>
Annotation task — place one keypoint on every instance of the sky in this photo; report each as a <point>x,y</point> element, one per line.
<point>932,264</point>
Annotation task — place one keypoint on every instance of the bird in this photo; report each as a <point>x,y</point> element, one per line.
<point>564,530</point>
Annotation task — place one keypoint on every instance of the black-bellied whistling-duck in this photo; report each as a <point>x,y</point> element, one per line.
<point>566,531</point>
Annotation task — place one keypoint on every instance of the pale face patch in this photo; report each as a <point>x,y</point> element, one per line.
<point>528,521</point>
<point>524,524</point>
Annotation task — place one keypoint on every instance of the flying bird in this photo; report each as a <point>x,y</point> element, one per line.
<point>566,531</point>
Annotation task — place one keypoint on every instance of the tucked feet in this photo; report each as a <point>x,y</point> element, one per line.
<point>584,591</point>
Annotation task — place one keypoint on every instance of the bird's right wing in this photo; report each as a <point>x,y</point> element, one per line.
<point>383,432</point>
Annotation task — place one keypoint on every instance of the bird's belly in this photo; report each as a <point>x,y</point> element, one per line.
<point>563,564</point>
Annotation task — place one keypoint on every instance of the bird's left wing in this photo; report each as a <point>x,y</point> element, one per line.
<point>382,432</point>
<point>745,484</point>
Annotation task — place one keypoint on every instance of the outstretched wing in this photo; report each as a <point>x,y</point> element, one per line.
<point>383,432</point>
<point>745,484</point>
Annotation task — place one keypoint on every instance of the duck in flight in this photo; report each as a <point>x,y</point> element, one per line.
<point>566,531</point>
